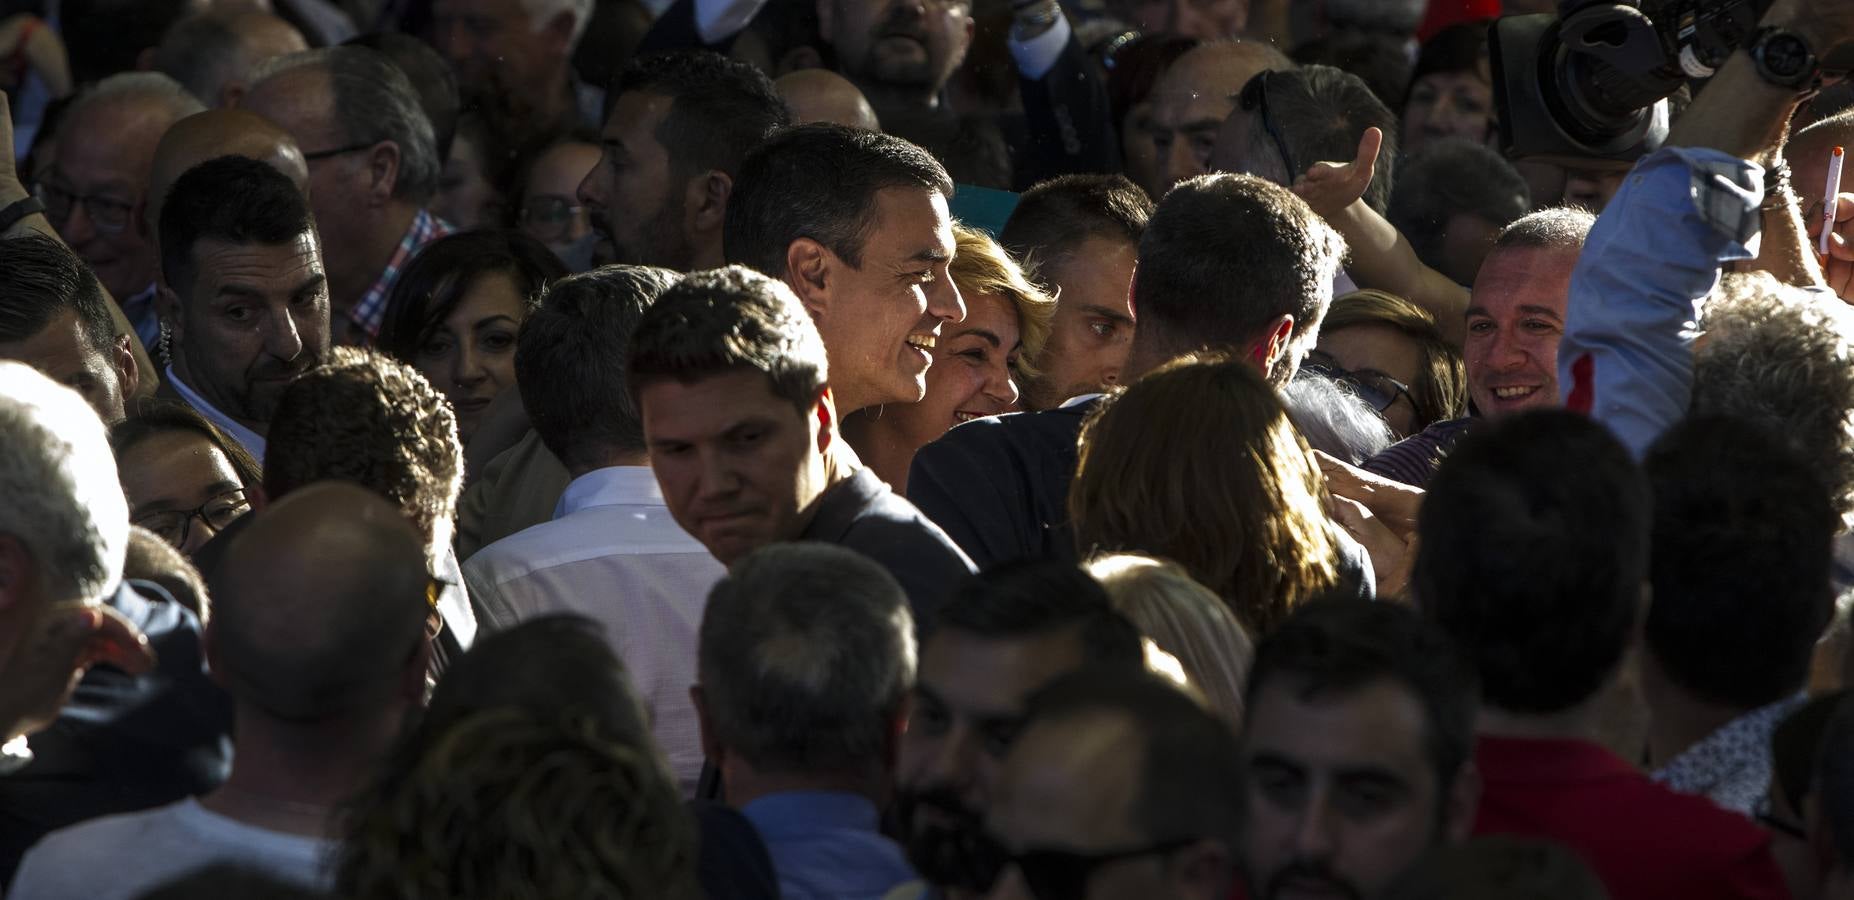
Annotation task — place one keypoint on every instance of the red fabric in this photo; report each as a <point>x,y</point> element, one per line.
<point>1644,841</point>
<point>1443,13</point>
<point>1583,385</point>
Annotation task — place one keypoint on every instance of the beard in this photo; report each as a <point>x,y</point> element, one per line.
<point>660,242</point>
<point>1309,871</point>
<point>956,855</point>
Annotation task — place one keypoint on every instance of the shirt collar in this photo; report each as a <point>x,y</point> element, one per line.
<point>250,440</point>
<point>610,486</point>
<point>811,811</point>
<point>1743,742</point>
<point>371,310</point>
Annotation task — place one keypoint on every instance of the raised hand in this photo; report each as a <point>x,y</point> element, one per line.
<point>1330,187</point>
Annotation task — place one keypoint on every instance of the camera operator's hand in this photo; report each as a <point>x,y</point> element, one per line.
<point>1838,266</point>
<point>1330,187</point>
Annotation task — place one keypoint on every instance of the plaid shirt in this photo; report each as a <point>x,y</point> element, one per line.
<point>367,315</point>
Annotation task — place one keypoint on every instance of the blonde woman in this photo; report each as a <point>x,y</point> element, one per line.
<point>1198,463</point>
<point>1186,620</point>
<point>978,363</point>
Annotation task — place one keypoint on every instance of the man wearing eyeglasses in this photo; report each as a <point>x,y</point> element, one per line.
<point>97,184</point>
<point>1119,787</point>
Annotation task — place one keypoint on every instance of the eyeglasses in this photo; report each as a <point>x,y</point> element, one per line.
<point>1254,98</point>
<point>173,526</point>
<point>1376,388</point>
<point>1053,874</point>
<point>551,217</point>
<point>106,214</point>
<point>338,151</point>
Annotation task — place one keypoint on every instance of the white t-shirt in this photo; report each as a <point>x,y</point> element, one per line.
<point>123,857</point>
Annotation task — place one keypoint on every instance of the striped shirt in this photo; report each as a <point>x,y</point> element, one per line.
<point>371,310</point>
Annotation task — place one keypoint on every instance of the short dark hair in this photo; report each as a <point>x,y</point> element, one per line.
<point>1450,176</point>
<point>721,108</point>
<point>1226,254</point>
<point>1329,646</point>
<point>1055,217</point>
<point>727,320</point>
<point>431,77</point>
<point>571,357</point>
<point>1533,556</point>
<point>1458,48</point>
<point>443,271</point>
<point>820,182</point>
<point>1032,598</point>
<point>1191,785</point>
<point>1321,113</point>
<point>41,278</point>
<point>366,418</point>
<point>1737,514</point>
<point>233,199</point>
<point>806,656</point>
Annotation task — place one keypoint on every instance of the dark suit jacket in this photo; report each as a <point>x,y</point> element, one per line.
<point>124,743</point>
<point>861,513</point>
<point>1000,486</point>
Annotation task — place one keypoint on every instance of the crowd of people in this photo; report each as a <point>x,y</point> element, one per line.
<point>915,450</point>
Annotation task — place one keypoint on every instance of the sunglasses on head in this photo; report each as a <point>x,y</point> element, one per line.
<point>1254,98</point>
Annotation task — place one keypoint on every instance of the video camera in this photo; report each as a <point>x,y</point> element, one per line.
<point>1592,83</point>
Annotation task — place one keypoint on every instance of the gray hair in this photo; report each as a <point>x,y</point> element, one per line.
<point>59,496</point>
<point>1334,419</point>
<point>1557,228</point>
<point>806,655</point>
<point>1782,358</point>
<point>541,11</point>
<point>143,88</point>
<point>374,101</point>
<point>1321,113</point>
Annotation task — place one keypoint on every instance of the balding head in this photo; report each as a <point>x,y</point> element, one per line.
<point>215,133</point>
<point>212,54</point>
<point>1194,96</point>
<point>820,95</point>
<point>320,607</point>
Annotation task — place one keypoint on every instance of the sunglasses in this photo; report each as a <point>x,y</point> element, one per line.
<point>1057,874</point>
<point>1254,98</point>
<point>1376,388</point>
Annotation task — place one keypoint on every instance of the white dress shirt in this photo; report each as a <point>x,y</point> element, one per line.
<point>614,555</point>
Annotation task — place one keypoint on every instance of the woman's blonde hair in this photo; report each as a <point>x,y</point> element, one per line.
<point>1197,462</point>
<point>1440,392</point>
<point>981,266</point>
<point>1186,620</point>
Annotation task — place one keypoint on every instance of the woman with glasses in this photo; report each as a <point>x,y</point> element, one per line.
<point>1390,352</point>
<point>455,311</point>
<point>547,197</point>
<point>977,362</point>
<point>184,479</point>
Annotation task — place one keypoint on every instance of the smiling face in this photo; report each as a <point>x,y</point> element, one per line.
<point>1515,320</point>
<point>739,467</point>
<point>971,373</point>
<point>1093,325</point>
<point>470,356</point>
<point>881,321</point>
<point>250,319</point>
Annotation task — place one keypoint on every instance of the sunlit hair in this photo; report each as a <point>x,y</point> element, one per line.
<point>1186,620</point>
<point>510,803</point>
<point>152,416</point>
<point>1783,360</point>
<point>1198,463</point>
<point>980,266</point>
<point>1440,392</point>
<point>62,501</point>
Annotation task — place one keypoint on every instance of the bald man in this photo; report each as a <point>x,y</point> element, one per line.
<point>820,95</point>
<point>212,55</point>
<point>318,632</point>
<point>212,134</point>
<point>1194,96</point>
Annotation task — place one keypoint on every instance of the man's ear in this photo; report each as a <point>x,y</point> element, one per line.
<point>167,307</point>
<point>382,172</point>
<point>123,358</point>
<point>808,272</point>
<point>1269,351</point>
<point>705,201</point>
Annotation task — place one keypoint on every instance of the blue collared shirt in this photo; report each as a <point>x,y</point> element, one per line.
<point>825,845</point>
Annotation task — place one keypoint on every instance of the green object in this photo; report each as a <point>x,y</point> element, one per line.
<point>986,209</point>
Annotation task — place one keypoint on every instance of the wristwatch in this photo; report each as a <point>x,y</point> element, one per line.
<point>1783,58</point>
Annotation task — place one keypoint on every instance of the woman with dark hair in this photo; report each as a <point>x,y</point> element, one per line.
<point>1451,90</point>
<point>1134,63</point>
<point>455,311</point>
<point>184,479</point>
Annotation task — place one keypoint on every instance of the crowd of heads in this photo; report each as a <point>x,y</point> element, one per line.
<point>876,448</point>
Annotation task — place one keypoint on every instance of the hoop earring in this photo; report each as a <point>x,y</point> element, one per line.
<point>165,346</point>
